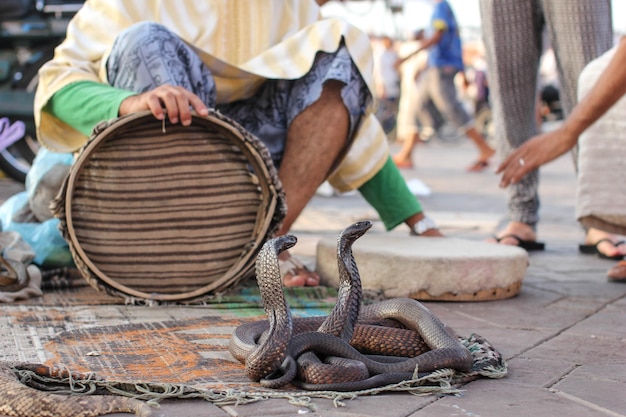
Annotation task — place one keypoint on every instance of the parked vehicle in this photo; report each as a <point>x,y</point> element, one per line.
<point>29,32</point>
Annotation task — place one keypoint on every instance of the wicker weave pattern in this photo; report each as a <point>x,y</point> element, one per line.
<point>169,213</point>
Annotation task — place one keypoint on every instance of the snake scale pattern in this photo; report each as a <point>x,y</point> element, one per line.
<point>19,400</point>
<point>283,350</point>
<point>13,275</point>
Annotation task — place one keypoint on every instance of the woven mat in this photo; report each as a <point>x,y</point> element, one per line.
<point>67,287</point>
<point>168,352</point>
<point>190,352</point>
<point>163,351</point>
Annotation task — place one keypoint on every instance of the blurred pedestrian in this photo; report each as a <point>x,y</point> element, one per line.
<point>445,61</point>
<point>387,83</point>
<point>411,80</point>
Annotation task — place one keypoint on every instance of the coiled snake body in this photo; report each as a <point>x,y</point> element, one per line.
<point>436,346</point>
<point>19,400</point>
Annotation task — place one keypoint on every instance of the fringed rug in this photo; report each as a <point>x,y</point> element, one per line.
<point>178,351</point>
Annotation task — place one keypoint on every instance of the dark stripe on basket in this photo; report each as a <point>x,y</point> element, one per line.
<point>167,213</point>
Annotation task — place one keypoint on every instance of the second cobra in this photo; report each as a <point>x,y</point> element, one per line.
<point>322,354</point>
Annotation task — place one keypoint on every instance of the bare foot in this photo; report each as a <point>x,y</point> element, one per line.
<point>402,161</point>
<point>478,166</point>
<point>483,160</point>
<point>618,272</point>
<point>432,233</point>
<point>295,273</point>
<point>487,154</point>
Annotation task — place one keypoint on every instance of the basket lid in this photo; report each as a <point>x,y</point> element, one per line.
<point>169,212</point>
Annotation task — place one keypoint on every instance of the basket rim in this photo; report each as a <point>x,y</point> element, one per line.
<point>251,147</point>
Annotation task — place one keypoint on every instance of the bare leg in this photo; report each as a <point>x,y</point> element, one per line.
<point>485,152</point>
<point>403,158</point>
<point>315,140</point>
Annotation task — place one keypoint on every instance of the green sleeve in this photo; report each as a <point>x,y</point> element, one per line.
<point>389,195</point>
<point>84,104</point>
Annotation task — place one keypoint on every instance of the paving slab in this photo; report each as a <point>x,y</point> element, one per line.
<point>605,396</point>
<point>501,398</point>
<point>382,405</point>
<point>538,372</point>
<point>183,408</point>
<point>582,349</point>
<point>609,322</point>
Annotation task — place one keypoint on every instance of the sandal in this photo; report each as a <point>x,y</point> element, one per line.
<point>528,245</point>
<point>592,249</point>
<point>292,268</point>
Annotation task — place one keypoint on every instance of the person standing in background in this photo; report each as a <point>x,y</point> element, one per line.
<point>445,61</point>
<point>386,75</point>
<point>579,31</point>
<point>411,71</point>
<point>387,84</point>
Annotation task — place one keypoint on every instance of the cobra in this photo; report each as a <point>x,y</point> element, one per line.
<point>422,328</point>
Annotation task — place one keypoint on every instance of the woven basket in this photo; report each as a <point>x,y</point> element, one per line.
<point>166,212</point>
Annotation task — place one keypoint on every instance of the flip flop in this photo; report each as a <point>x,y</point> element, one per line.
<point>592,249</point>
<point>478,166</point>
<point>618,272</point>
<point>529,245</point>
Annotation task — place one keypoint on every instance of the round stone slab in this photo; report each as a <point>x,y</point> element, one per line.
<point>428,268</point>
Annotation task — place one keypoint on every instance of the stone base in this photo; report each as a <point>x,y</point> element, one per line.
<point>442,269</point>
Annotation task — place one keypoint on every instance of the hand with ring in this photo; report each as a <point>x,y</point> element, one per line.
<point>535,152</point>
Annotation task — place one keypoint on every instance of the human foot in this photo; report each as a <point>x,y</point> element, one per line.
<point>478,166</point>
<point>518,234</point>
<point>483,161</point>
<point>432,233</point>
<point>618,272</point>
<point>295,273</point>
<point>603,244</point>
<point>402,161</point>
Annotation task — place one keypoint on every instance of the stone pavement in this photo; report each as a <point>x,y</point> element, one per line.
<point>563,336</point>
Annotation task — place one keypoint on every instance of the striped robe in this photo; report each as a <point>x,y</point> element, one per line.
<point>243,43</point>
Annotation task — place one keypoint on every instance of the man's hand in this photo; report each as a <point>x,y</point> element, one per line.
<point>176,101</point>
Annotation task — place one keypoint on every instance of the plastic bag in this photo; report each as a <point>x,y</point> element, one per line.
<point>40,231</point>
